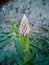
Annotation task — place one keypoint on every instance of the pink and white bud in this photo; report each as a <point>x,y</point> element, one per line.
<point>24,26</point>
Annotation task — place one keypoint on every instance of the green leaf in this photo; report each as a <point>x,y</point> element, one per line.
<point>18,47</point>
<point>5,42</point>
<point>12,20</point>
<point>4,54</point>
<point>24,42</point>
<point>2,34</point>
<point>5,37</point>
<point>27,57</point>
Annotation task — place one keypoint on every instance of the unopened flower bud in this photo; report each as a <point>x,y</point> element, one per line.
<point>24,26</point>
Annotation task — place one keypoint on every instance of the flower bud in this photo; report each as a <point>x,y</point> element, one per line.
<point>24,26</point>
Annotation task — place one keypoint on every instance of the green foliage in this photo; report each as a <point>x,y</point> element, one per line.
<point>18,47</point>
<point>38,55</point>
<point>40,41</point>
<point>24,41</point>
<point>5,39</point>
<point>12,21</point>
<point>28,50</point>
<point>4,54</point>
<point>46,29</point>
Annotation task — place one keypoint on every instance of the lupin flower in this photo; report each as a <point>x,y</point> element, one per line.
<point>24,26</point>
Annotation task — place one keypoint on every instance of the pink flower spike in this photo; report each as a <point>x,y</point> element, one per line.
<point>24,26</point>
